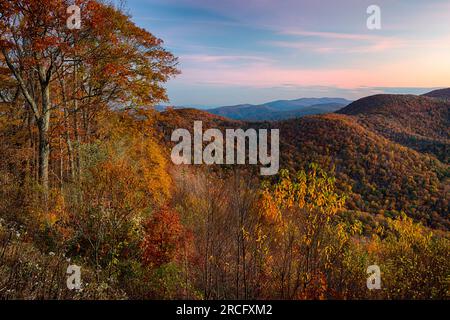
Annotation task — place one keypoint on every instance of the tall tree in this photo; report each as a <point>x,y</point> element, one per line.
<point>111,61</point>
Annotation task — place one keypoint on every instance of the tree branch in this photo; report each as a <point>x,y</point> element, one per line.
<point>22,85</point>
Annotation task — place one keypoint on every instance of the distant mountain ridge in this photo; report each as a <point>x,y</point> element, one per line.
<point>281,109</point>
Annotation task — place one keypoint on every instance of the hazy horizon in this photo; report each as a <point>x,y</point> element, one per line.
<point>416,91</point>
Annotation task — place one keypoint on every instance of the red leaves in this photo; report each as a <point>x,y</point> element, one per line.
<point>164,236</point>
<point>44,43</point>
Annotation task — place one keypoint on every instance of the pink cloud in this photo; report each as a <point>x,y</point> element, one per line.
<point>430,72</point>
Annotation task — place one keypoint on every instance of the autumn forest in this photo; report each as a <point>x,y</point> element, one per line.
<point>86,179</point>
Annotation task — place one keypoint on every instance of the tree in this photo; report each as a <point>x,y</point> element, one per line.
<point>163,238</point>
<point>299,210</point>
<point>110,61</point>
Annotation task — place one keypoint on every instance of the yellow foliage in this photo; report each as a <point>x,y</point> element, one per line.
<point>135,161</point>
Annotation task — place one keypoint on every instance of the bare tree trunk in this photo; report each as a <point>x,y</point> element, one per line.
<point>44,144</point>
<point>30,162</point>
<point>61,166</point>
<point>69,145</point>
<point>75,122</point>
<point>70,155</point>
<point>44,153</point>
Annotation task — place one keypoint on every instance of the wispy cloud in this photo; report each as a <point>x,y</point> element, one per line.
<point>205,58</point>
<point>354,43</point>
<point>324,48</point>
<point>332,35</point>
<point>291,44</point>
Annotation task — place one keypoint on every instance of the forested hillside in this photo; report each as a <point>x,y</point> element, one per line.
<point>418,122</point>
<point>381,177</point>
<point>439,93</point>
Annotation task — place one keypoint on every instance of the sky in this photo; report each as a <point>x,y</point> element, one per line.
<point>254,51</point>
